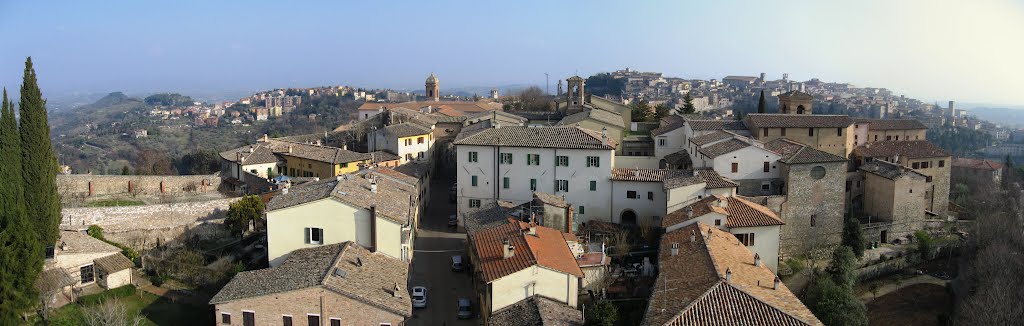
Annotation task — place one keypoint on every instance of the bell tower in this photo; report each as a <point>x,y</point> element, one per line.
<point>795,102</point>
<point>574,94</point>
<point>433,90</point>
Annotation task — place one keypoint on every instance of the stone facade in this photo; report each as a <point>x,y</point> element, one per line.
<point>142,227</point>
<point>896,206</point>
<point>299,304</point>
<point>72,186</point>
<point>813,209</point>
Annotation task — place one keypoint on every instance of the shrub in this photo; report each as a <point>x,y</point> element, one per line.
<point>96,231</point>
<point>602,313</point>
<point>119,292</point>
<point>795,264</point>
<point>925,244</point>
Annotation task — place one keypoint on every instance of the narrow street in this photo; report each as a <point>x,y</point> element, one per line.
<point>431,267</point>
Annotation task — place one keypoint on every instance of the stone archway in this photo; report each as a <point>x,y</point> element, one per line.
<point>800,109</point>
<point>628,217</point>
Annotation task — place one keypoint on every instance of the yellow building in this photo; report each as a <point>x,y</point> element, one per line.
<point>826,133</point>
<point>306,160</point>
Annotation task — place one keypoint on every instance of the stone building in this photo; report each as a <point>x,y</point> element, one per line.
<point>984,170</point>
<point>795,102</point>
<point>433,88</point>
<point>892,201</point>
<point>921,156</point>
<point>827,133</point>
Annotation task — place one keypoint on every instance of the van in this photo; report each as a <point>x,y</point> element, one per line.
<point>457,265</point>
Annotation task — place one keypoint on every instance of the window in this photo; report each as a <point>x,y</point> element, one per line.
<point>810,132</point>
<point>928,179</point>
<point>533,184</point>
<point>718,222</point>
<point>925,165</point>
<point>897,137</point>
<point>504,182</point>
<point>314,236</point>
<point>593,161</point>
<point>631,194</point>
<point>650,195</point>
<point>506,158</point>
<point>291,171</point>
<point>735,167</point>
<point>916,165</point>
<point>839,131</point>
<point>248,318</point>
<point>335,322</point>
<point>593,185</point>
<point>887,137</point>
<point>532,159</point>
<point>474,203</point>
<point>814,219</point>
<point>561,185</point>
<point>765,132</point>
<point>661,142</point>
<point>472,181</point>
<point>767,167</point>
<point>87,273</point>
<point>911,191</point>
<point>343,165</point>
<point>408,157</point>
<point>419,155</point>
<point>286,320</point>
<point>766,186</point>
<point>817,172</point>
<point>472,157</point>
<point>562,161</point>
<point>876,137</point>
<point>408,142</point>
<point>581,210</point>
<point>225,318</point>
<point>747,239</point>
<point>419,140</point>
<point>314,320</point>
<point>849,184</point>
<point>49,252</point>
<point>782,132</point>
<point>942,163</point>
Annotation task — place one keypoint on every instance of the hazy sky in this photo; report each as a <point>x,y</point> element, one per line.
<point>969,51</point>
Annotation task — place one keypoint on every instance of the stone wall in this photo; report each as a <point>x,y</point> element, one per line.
<point>813,210</point>
<point>78,186</point>
<point>142,227</point>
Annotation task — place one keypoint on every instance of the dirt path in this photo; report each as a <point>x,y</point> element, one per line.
<point>889,287</point>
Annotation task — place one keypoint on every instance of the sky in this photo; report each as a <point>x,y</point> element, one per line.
<point>939,50</point>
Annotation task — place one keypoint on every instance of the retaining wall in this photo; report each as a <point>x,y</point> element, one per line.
<point>143,227</point>
<point>80,186</point>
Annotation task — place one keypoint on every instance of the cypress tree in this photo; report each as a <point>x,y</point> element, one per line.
<point>21,255</point>
<point>761,104</point>
<point>39,165</point>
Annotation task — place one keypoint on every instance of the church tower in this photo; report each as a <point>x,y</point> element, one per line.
<point>575,94</point>
<point>433,88</point>
<point>795,102</point>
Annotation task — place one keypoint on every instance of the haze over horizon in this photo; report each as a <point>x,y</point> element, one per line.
<point>930,50</point>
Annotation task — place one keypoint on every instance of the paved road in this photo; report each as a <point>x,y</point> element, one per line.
<point>435,244</point>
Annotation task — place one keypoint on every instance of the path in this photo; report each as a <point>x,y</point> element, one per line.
<point>891,286</point>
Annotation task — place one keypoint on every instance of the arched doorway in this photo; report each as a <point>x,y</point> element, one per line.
<point>628,217</point>
<point>662,164</point>
<point>800,109</point>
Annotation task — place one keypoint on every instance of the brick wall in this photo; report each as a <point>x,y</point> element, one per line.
<point>72,186</point>
<point>269,309</point>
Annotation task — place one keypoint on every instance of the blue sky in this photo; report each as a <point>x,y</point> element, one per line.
<point>935,50</point>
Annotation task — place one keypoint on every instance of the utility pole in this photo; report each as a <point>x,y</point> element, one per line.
<point>547,88</point>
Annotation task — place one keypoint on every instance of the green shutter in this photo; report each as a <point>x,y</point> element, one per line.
<point>593,185</point>
<point>474,181</point>
<point>504,183</point>
<point>533,184</point>
<point>581,210</point>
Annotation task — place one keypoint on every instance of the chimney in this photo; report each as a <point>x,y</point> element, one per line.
<point>289,149</point>
<point>339,177</point>
<point>604,136</point>
<point>397,291</point>
<point>675,249</point>
<point>757,260</point>
<point>264,138</point>
<point>508,250</point>
<point>238,157</point>
<point>693,236</point>
<point>284,191</point>
<point>728,275</point>
<point>532,230</point>
<point>568,220</point>
<point>373,186</point>
<point>775,286</point>
<point>723,202</point>
<point>689,212</point>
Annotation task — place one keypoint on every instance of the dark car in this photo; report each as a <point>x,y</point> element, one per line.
<point>453,192</point>
<point>465,309</point>
<point>453,221</point>
<point>457,265</point>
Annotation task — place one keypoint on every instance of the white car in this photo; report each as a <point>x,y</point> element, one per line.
<point>419,297</point>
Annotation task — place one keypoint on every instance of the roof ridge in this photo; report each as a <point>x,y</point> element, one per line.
<point>529,249</point>
<point>755,297</point>
<point>696,300</point>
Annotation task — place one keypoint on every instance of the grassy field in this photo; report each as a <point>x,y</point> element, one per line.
<point>154,309</point>
<point>115,202</point>
<point>918,304</point>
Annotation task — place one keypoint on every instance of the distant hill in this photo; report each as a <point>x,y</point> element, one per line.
<point>1003,116</point>
<point>112,99</point>
<point>166,99</point>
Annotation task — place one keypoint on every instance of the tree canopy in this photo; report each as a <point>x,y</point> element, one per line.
<point>243,213</point>
<point>605,84</point>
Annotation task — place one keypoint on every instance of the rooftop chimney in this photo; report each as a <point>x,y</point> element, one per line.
<point>284,191</point>
<point>604,136</point>
<point>397,291</point>
<point>693,236</point>
<point>373,186</point>
<point>675,248</point>
<point>508,250</point>
<point>757,260</point>
<point>775,286</point>
<point>689,212</point>
<point>289,149</point>
<point>728,275</point>
<point>264,138</point>
<point>532,230</point>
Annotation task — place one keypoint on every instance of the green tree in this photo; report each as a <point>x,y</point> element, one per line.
<point>21,253</point>
<point>687,107</point>
<point>125,171</point>
<point>243,213</point>
<point>605,84</point>
<point>602,313</point>
<point>661,110</point>
<point>641,111</point>
<point>853,237</point>
<point>842,266</point>
<point>762,105</point>
<point>925,244</point>
<point>835,304</point>
<point>39,165</point>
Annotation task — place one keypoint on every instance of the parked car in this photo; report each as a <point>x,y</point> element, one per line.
<point>453,192</point>
<point>453,221</point>
<point>465,309</point>
<point>419,297</point>
<point>457,265</point>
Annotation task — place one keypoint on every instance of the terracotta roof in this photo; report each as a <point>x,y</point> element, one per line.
<point>906,148</point>
<point>773,120</point>
<point>739,212</point>
<point>550,199</point>
<point>406,130</point>
<point>334,267</point>
<point>692,288</point>
<point>114,263</point>
<point>704,125</point>
<point>545,137</point>
<point>891,124</point>
<point>391,202</point>
<point>607,117</point>
<point>382,156</point>
<point>796,153</point>
<point>722,148</point>
<point>971,163</point>
<point>487,218</point>
<point>712,137</point>
<point>646,175</point>
<point>547,249</point>
<point>679,159</point>
<point>535,311</point>
<point>258,153</point>
<point>320,153</point>
<point>496,113</point>
<point>74,242</point>
<point>713,179</point>
<point>672,124</point>
<point>888,170</point>
<point>450,112</point>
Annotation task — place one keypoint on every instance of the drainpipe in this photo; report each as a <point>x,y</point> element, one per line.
<point>373,227</point>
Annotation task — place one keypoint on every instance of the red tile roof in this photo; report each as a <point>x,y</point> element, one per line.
<point>547,249</point>
<point>739,212</point>
<point>972,163</point>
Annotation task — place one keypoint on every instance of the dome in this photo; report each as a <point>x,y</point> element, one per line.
<point>432,79</point>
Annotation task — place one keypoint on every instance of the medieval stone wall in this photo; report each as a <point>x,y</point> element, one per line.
<point>143,227</point>
<point>813,210</point>
<point>82,187</point>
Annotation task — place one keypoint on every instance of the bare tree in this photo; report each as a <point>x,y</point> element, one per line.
<point>620,243</point>
<point>110,312</point>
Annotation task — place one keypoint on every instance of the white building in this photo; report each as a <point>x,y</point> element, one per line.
<point>510,163</point>
<point>756,226</point>
<point>410,141</point>
<point>740,159</point>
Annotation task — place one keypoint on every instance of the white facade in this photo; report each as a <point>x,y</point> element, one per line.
<point>669,142</point>
<point>750,163</point>
<point>492,176</point>
<point>532,280</point>
<point>646,201</point>
<point>765,239</point>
